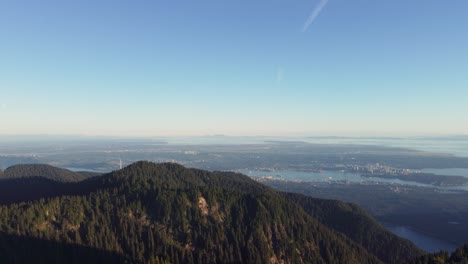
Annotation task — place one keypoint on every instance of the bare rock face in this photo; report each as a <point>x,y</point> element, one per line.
<point>203,205</point>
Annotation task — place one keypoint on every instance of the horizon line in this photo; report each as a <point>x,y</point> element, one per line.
<point>305,135</point>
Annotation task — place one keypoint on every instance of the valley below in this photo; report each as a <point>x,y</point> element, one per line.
<point>406,191</point>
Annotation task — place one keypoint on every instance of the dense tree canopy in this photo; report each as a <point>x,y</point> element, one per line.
<point>45,171</point>
<point>157,213</point>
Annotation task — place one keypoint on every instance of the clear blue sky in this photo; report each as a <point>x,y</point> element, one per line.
<point>266,67</point>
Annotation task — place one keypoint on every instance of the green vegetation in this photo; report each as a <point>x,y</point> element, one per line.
<point>19,249</point>
<point>427,210</point>
<point>161,213</point>
<point>356,224</point>
<point>45,171</point>
<point>460,256</point>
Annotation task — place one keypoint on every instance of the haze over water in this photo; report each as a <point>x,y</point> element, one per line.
<point>457,146</point>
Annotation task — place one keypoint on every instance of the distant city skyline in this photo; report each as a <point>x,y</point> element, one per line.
<point>239,68</point>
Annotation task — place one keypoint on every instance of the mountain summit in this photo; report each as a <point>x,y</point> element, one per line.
<point>166,213</point>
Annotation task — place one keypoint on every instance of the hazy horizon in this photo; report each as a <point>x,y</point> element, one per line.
<point>265,131</point>
<point>290,136</point>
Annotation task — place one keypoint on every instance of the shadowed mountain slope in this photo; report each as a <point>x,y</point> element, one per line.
<point>45,171</point>
<point>166,212</point>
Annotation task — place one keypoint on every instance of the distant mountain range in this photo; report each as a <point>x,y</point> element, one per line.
<point>45,171</point>
<point>166,213</point>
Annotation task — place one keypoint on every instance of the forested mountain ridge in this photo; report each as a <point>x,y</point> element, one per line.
<point>45,171</point>
<point>151,213</point>
<point>357,224</point>
<point>459,256</point>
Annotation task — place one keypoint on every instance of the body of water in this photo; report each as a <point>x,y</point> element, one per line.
<point>421,240</point>
<point>448,172</point>
<point>325,176</point>
<point>454,145</point>
<point>336,176</point>
<point>83,169</point>
<point>457,146</point>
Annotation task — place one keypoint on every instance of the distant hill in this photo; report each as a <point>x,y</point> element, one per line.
<point>161,213</point>
<point>31,189</point>
<point>45,171</point>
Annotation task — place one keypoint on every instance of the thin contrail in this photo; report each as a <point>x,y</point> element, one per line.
<point>315,13</point>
